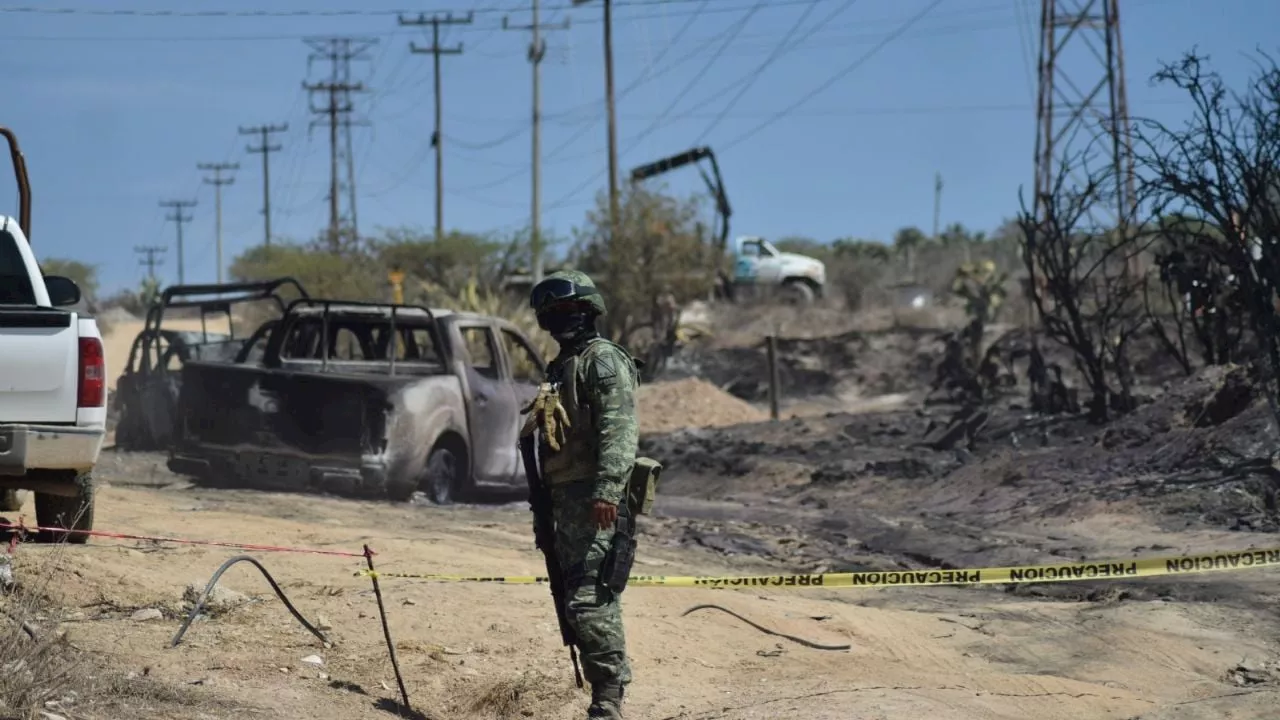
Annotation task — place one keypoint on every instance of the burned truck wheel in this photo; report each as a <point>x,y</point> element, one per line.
<point>445,475</point>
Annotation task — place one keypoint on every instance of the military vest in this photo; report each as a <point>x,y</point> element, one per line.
<point>578,458</point>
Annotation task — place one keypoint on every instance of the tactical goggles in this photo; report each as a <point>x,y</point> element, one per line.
<point>556,290</point>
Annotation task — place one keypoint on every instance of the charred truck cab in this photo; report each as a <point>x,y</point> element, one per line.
<point>362,400</point>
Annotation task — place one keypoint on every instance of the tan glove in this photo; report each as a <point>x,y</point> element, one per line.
<point>547,414</point>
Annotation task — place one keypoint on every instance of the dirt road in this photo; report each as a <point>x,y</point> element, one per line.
<point>491,651</point>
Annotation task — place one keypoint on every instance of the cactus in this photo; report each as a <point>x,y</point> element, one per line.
<point>966,366</point>
<point>982,287</point>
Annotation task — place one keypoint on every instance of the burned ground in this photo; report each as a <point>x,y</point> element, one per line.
<point>867,490</point>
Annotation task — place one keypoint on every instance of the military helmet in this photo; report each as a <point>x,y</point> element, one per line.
<point>566,286</point>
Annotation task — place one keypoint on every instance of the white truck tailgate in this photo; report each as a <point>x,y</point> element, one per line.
<point>39,366</point>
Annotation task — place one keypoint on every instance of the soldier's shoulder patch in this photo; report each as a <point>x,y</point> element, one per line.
<point>604,367</point>
<point>605,363</point>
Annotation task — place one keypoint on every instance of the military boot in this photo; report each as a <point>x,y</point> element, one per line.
<point>606,702</point>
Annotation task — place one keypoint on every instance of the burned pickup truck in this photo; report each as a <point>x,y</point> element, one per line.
<point>146,397</point>
<point>362,400</point>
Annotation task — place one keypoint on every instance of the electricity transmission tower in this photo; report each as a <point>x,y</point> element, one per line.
<point>435,51</point>
<point>1082,98</point>
<point>537,49</point>
<point>336,113</point>
<point>217,181</point>
<point>150,258</point>
<point>265,149</point>
<point>179,218</point>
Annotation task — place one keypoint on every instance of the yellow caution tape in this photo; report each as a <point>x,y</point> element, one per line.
<point>1062,572</point>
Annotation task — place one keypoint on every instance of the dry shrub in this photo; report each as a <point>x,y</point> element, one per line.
<point>520,696</point>
<point>473,298</point>
<point>42,672</point>
<point>37,664</point>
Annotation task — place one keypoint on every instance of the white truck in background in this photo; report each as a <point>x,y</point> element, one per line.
<point>53,390</point>
<point>761,267</point>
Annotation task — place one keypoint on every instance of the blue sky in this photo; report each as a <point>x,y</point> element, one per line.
<point>116,109</point>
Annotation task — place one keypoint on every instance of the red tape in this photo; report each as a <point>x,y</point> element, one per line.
<point>240,546</point>
<point>17,536</point>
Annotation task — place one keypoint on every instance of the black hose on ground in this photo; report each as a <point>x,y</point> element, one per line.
<point>767,631</point>
<point>213,581</point>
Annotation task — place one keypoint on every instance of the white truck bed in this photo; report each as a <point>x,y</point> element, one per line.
<point>48,420</point>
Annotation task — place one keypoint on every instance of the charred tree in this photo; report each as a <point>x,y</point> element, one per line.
<point>1080,283</point>
<point>1222,169</point>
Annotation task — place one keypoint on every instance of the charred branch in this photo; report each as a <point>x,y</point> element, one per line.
<point>1080,282</point>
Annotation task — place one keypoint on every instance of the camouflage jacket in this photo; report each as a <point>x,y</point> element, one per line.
<point>603,433</point>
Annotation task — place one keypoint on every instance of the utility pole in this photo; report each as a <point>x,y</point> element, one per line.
<point>179,218</point>
<point>336,113</point>
<point>217,181</point>
<point>150,259</point>
<point>435,51</point>
<point>266,148</point>
<point>937,204</point>
<point>537,49</point>
<point>337,104</point>
<point>610,109</point>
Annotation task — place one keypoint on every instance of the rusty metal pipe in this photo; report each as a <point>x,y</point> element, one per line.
<point>24,181</point>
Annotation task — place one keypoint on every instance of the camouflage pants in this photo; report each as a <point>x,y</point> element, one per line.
<point>594,611</point>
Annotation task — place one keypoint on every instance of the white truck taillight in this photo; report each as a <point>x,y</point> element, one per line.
<point>93,374</point>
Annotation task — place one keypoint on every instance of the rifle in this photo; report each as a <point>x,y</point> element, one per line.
<point>544,535</point>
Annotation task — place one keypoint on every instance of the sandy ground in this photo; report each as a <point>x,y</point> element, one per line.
<point>843,487</point>
<point>492,651</point>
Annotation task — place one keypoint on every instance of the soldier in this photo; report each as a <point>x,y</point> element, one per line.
<point>587,462</point>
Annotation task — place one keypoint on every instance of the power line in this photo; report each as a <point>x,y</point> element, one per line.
<point>489,144</point>
<point>349,12</point>
<point>657,122</point>
<point>294,37</point>
<point>774,117</point>
<point>729,36</point>
<point>490,29</point>
<point>778,51</point>
<point>573,139</point>
<point>837,77</point>
<point>744,79</point>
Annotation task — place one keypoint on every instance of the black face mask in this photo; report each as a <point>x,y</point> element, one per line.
<point>564,326</point>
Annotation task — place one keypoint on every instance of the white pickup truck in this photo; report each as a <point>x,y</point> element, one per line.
<point>53,392</point>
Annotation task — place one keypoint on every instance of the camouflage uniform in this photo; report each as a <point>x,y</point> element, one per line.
<point>593,464</point>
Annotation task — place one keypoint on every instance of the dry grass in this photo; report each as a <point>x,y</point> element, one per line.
<point>520,696</point>
<point>38,667</point>
<point>42,671</point>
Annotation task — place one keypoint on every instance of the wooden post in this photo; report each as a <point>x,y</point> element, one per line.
<point>772,344</point>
